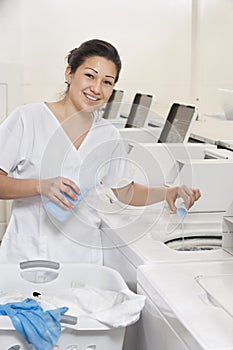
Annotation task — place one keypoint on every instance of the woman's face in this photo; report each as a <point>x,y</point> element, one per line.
<point>92,83</point>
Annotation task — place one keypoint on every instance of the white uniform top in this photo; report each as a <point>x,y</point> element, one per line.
<point>34,145</point>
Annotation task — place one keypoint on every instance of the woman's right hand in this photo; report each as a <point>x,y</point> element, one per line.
<point>54,189</point>
<point>189,196</point>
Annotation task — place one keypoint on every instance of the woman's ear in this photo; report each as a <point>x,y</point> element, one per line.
<point>68,75</point>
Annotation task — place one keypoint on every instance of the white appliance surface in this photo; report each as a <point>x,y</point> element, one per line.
<point>199,313</point>
<point>226,143</point>
<point>146,134</point>
<point>155,164</point>
<point>134,237</point>
<point>145,231</point>
<point>212,130</point>
<point>218,153</point>
<point>199,174</point>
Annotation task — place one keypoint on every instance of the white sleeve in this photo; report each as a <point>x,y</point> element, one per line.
<point>120,172</point>
<point>11,134</point>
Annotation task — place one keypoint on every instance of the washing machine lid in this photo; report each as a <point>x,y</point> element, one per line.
<point>195,298</point>
<point>141,237</point>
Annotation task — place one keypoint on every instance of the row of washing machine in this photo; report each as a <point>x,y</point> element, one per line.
<point>185,270</point>
<point>188,290</point>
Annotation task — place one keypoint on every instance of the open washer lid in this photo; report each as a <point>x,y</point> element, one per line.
<point>196,309</point>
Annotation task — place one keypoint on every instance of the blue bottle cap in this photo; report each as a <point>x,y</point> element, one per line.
<point>182,212</point>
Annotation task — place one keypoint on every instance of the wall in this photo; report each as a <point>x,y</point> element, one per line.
<point>152,36</point>
<point>174,49</point>
<point>11,53</point>
<point>10,31</point>
<point>11,79</point>
<point>213,54</point>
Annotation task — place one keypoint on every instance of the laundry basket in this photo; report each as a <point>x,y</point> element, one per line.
<point>46,277</point>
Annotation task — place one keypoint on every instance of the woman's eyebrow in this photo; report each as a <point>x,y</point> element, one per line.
<point>108,76</point>
<point>92,69</point>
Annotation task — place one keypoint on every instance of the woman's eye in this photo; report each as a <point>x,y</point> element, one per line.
<point>89,75</point>
<point>107,82</point>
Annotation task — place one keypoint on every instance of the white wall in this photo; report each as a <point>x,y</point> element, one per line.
<point>11,54</point>
<point>10,72</point>
<point>152,36</point>
<point>174,49</point>
<point>10,31</point>
<point>213,58</point>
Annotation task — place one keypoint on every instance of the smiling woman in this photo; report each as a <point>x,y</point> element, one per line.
<point>62,151</point>
<point>92,83</point>
<point>92,71</point>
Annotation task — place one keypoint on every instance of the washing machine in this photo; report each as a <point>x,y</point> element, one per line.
<point>134,237</point>
<point>189,305</point>
<point>146,236</point>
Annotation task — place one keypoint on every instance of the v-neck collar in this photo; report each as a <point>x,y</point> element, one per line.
<point>59,124</point>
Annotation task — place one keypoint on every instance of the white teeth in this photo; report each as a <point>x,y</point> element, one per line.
<point>91,98</point>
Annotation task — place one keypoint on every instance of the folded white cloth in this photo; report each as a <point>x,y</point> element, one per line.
<point>125,311</point>
<point>114,309</point>
<point>10,296</point>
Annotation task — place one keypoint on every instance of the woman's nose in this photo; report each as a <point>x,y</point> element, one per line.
<point>96,87</point>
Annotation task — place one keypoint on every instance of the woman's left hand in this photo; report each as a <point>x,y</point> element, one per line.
<point>189,195</point>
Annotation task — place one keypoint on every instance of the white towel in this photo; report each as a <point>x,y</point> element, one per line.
<point>125,311</point>
<point>10,296</point>
<point>114,309</point>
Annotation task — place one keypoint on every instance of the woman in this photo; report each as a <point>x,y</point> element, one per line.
<point>54,150</point>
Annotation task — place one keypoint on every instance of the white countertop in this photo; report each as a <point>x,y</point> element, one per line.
<point>212,130</point>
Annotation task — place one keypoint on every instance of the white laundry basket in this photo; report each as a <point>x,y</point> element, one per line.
<point>44,276</point>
